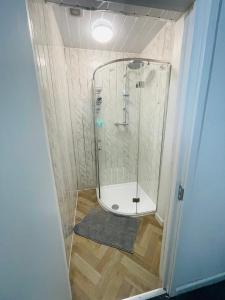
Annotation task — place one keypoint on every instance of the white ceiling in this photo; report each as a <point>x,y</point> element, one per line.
<point>131,33</point>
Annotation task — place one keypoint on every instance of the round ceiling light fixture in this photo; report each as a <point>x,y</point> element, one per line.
<point>102,31</point>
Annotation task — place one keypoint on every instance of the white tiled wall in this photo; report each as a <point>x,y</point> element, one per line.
<point>51,68</point>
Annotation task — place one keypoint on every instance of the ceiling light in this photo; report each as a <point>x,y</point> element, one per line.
<point>102,31</point>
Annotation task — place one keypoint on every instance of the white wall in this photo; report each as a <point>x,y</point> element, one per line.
<point>32,255</point>
<point>200,258</point>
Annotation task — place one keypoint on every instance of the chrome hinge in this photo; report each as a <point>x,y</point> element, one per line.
<point>180,193</point>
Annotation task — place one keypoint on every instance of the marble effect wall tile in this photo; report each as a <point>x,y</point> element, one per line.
<point>119,144</point>
<point>118,157</point>
<point>161,47</point>
<point>81,64</point>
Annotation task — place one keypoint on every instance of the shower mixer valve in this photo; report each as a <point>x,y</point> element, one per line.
<point>99,101</point>
<point>98,104</point>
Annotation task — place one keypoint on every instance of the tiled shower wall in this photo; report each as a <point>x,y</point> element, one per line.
<point>119,153</point>
<point>119,144</point>
<point>51,68</point>
<point>81,64</point>
<point>162,45</point>
<point>127,152</point>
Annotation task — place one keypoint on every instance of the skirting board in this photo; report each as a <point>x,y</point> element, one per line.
<point>200,283</point>
<point>159,219</point>
<point>148,295</point>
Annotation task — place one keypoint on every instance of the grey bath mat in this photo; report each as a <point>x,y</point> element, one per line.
<point>109,229</point>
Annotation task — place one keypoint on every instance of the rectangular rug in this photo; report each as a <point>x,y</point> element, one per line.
<point>109,229</point>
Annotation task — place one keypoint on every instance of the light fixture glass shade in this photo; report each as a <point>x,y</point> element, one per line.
<point>102,31</point>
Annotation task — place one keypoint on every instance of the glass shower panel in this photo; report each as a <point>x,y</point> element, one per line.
<point>130,98</point>
<point>154,94</point>
<point>117,110</point>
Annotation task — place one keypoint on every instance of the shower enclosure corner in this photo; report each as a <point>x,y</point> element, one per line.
<point>129,106</point>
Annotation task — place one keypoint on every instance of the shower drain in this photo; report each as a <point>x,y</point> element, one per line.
<point>115,206</point>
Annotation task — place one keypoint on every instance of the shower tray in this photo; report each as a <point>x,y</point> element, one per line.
<point>118,198</point>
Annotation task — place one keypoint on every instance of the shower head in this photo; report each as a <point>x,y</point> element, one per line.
<point>136,64</point>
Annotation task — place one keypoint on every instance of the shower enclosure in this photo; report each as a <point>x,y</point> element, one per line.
<point>130,101</point>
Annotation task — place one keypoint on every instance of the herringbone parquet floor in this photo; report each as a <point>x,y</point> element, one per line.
<point>99,272</point>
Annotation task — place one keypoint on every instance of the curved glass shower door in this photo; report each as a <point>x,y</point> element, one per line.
<point>129,112</point>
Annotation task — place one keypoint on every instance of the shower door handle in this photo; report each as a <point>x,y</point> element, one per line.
<point>121,124</point>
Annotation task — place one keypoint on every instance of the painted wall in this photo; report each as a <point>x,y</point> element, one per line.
<point>32,260</point>
<point>52,74</point>
<point>200,256</point>
<point>166,46</point>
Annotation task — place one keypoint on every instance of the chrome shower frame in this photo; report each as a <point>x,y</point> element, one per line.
<point>148,60</point>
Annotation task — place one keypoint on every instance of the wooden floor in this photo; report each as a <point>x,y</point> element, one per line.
<point>99,272</point>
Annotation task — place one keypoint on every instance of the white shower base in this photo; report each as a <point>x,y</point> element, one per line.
<point>122,195</point>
